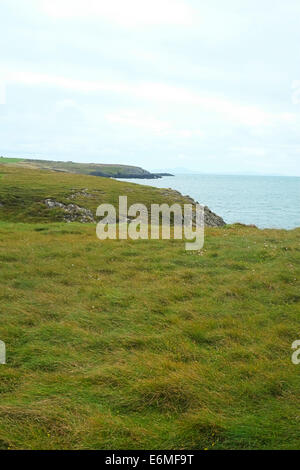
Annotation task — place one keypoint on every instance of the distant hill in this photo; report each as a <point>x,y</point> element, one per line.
<point>94,169</point>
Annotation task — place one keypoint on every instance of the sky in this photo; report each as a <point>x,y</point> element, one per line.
<point>212,86</point>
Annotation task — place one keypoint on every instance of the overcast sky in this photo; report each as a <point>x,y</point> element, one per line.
<point>209,85</point>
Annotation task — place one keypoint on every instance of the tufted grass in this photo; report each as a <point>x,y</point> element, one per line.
<point>142,345</point>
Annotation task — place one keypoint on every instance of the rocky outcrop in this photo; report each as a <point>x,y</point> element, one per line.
<point>72,212</point>
<point>211,219</point>
<point>75,213</point>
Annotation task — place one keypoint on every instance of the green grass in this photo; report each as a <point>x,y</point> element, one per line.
<point>10,160</point>
<point>140,344</point>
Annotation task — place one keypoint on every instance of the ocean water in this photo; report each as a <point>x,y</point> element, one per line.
<point>266,201</point>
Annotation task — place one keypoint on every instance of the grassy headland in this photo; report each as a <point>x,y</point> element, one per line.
<point>93,169</point>
<point>140,344</point>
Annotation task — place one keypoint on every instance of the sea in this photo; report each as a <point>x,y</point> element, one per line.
<point>265,201</point>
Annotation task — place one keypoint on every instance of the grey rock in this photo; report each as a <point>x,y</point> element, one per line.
<point>80,193</point>
<point>51,203</point>
<point>72,212</point>
<point>211,219</point>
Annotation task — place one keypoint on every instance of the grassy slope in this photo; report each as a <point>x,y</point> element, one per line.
<point>140,344</point>
<point>73,167</point>
<point>22,191</point>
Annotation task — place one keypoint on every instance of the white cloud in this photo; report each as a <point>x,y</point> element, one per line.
<point>133,119</point>
<point>2,92</point>
<point>296,92</point>
<point>151,124</point>
<point>187,133</point>
<point>251,151</point>
<point>65,104</point>
<point>71,84</point>
<point>123,12</point>
<point>251,116</point>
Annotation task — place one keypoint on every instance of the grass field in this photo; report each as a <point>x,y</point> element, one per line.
<point>140,344</point>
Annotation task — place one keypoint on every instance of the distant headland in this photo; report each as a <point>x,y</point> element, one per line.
<point>93,169</point>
